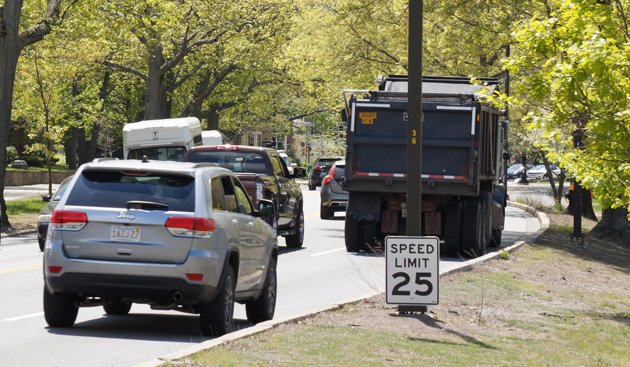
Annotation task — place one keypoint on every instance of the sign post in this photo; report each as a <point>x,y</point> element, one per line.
<point>412,271</point>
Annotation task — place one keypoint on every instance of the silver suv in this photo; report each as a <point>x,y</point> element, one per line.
<point>176,236</point>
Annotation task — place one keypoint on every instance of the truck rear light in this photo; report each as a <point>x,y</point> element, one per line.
<point>68,220</point>
<point>190,227</point>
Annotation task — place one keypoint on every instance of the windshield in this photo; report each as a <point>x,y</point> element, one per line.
<point>159,153</point>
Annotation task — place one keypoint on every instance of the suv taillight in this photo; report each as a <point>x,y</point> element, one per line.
<point>68,220</point>
<point>329,178</point>
<point>190,227</point>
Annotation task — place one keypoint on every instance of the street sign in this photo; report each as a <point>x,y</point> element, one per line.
<point>412,270</point>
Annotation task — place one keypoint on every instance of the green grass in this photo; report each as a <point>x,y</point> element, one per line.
<point>24,206</point>
<point>524,321</point>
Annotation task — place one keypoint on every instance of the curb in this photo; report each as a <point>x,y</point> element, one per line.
<point>268,325</point>
<point>17,233</point>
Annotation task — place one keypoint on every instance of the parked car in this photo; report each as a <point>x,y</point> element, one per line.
<point>43,219</point>
<point>333,197</point>
<point>319,171</point>
<point>265,176</point>
<point>516,170</point>
<point>176,236</point>
<point>19,163</point>
<point>539,172</point>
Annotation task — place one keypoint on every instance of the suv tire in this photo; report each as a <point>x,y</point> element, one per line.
<point>59,309</point>
<point>264,307</point>
<point>325,212</point>
<point>296,239</point>
<point>217,317</point>
<point>117,307</point>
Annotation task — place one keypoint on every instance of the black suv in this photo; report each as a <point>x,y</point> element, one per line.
<point>319,171</point>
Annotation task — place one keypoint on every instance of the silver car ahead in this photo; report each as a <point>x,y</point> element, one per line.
<point>333,197</point>
<point>173,235</point>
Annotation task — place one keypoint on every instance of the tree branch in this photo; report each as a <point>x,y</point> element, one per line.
<point>125,69</point>
<point>43,27</point>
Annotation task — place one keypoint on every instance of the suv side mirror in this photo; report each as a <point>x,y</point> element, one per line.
<point>299,172</point>
<point>46,198</point>
<point>266,208</point>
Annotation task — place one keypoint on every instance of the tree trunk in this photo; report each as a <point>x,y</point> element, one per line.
<point>155,97</point>
<point>615,226</point>
<point>71,147</point>
<point>9,53</point>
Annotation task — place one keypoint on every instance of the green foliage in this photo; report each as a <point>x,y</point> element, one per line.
<point>12,154</point>
<point>573,70</point>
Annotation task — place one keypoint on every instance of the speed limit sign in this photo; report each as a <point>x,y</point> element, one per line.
<point>412,270</point>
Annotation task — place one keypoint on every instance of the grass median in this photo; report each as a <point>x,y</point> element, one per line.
<point>552,303</point>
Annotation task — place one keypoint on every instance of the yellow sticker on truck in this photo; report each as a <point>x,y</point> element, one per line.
<point>367,118</point>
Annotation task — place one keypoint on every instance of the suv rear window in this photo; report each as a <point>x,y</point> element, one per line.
<point>113,189</point>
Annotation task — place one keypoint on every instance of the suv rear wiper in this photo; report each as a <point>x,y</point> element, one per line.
<point>147,205</point>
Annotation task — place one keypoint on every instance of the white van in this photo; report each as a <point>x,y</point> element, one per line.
<point>164,140</point>
<point>211,137</point>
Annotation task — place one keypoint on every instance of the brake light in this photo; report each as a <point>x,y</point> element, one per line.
<point>190,227</point>
<point>135,173</point>
<point>54,269</point>
<point>317,168</point>
<point>195,277</point>
<point>329,178</point>
<point>68,220</point>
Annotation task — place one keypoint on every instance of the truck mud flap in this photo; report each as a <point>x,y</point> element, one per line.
<point>364,206</point>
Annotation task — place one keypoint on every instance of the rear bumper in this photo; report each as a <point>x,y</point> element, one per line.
<point>139,288</point>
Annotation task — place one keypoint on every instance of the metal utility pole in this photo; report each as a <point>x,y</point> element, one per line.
<point>414,123</point>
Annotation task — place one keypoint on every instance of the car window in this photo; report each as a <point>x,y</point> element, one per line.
<point>159,153</point>
<point>230,196</point>
<point>340,170</point>
<point>244,205</point>
<point>113,189</point>
<point>232,160</point>
<point>278,169</point>
<point>218,199</point>
<point>62,189</point>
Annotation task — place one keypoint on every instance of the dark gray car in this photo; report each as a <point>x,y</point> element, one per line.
<point>176,236</point>
<point>333,197</point>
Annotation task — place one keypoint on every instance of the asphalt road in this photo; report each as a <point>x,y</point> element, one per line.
<point>320,274</point>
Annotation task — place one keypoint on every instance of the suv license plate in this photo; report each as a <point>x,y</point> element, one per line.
<point>126,234</point>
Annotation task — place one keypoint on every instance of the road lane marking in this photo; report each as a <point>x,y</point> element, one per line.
<point>329,251</point>
<point>23,317</point>
<point>20,268</point>
<point>311,215</point>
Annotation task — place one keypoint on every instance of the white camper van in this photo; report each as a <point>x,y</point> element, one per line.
<point>164,140</point>
<point>212,137</point>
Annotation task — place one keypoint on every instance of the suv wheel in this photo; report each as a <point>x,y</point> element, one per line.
<point>117,307</point>
<point>264,307</point>
<point>296,239</point>
<point>59,309</point>
<point>217,317</point>
<point>325,213</point>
